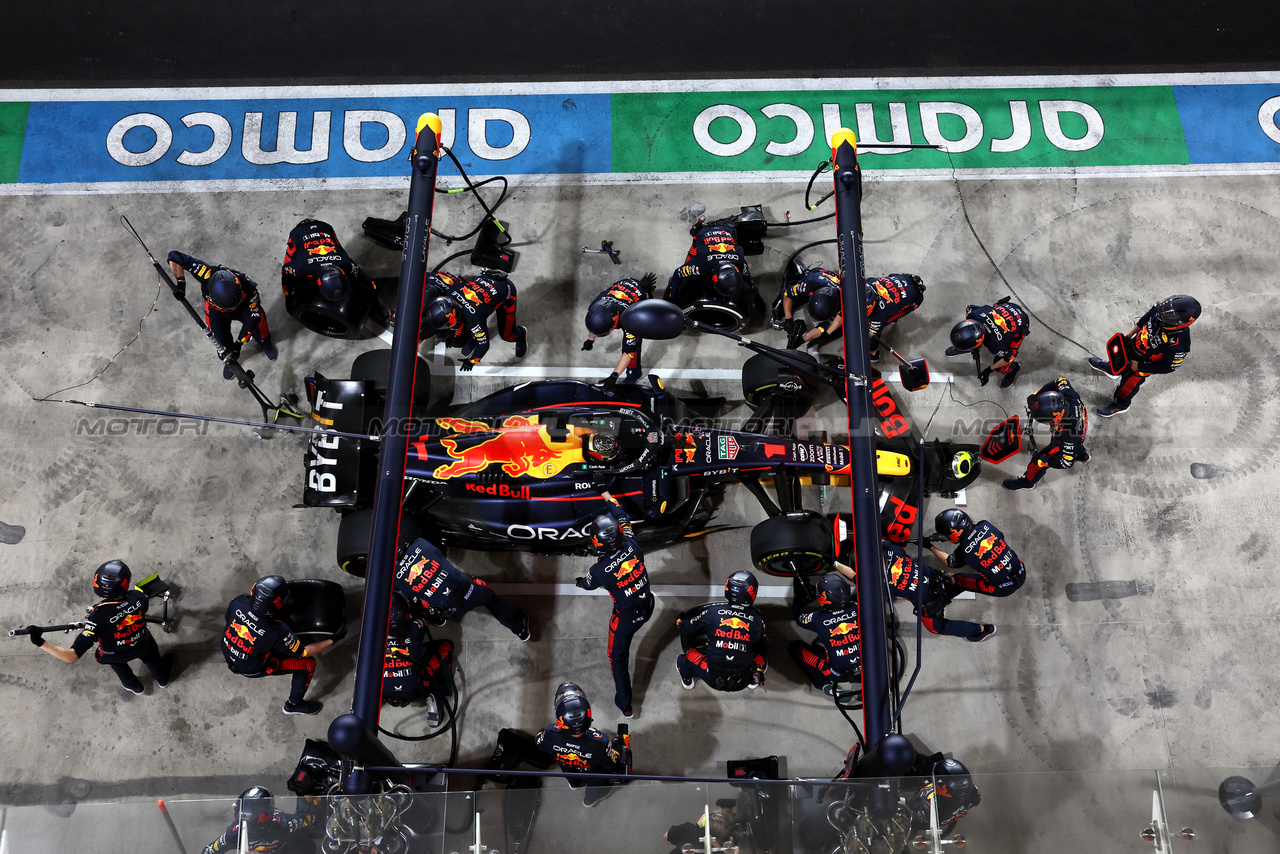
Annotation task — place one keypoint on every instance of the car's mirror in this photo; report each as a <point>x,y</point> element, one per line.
<point>655,319</point>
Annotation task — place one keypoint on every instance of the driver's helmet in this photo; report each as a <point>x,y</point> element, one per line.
<point>601,447</point>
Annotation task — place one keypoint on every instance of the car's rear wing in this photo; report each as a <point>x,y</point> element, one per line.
<point>334,474</point>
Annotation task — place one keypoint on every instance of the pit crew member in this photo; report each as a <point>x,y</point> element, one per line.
<point>313,252</point>
<point>228,295</point>
<point>1058,405</point>
<point>425,576</point>
<point>1160,342</point>
<point>465,309</point>
<point>1001,328</point>
<point>602,318</point>
<point>725,643</point>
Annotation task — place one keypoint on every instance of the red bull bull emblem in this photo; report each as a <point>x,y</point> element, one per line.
<point>416,571</point>
<point>470,294</point>
<point>735,623</point>
<point>241,630</point>
<point>720,246</point>
<point>986,545</point>
<point>130,620</point>
<point>896,569</point>
<point>998,319</point>
<point>521,446</point>
<point>628,567</point>
<point>844,629</point>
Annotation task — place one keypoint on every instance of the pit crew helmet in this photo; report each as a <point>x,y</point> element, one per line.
<point>441,313</point>
<point>601,319</point>
<point>255,805</point>
<point>958,781</point>
<point>268,595</point>
<point>332,283</point>
<point>967,335</point>
<point>224,290</point>
<point>1177,311</point>
<point>833,590</point>
<point>1043,405</point>
<point>573,709</point>
<point>726,280</point>
<point>606,534</point>
<point>111,579</point>
<point>953,523</point>
<point>740,588</point>
<point>824,303</point>
<point>601,447</point>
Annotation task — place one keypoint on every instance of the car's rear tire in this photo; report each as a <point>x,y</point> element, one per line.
<point>793,542</point>
<point>342,319</point>
<point>764,377</point>
<point>375,366</point>
<point>353,539</point>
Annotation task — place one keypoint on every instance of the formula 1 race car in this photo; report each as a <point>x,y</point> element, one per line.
<point>523,468</point>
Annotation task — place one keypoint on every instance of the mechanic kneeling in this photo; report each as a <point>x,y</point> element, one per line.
<point>997,570</point>
<point>269,829</point>
<point>834,657</point>
<point>578,746</point>
<point>602,318</point>
<point>415,666</point>
<point>725,643</point>
<point>463,313</point>
<point>715,262</point>
<point>923,587</point>
<point>256,643</point>
<point>313,254</point>
<point>424,575</point>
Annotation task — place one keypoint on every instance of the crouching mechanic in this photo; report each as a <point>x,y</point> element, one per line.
<point>228,295</point>
<point>578,746</point>
<point>889,299</point>
<point>424,575</point>
<point>602,318</point>
<point>118,626</point>
<point>621,571</point>
<point>834,657</point>
<point>1058,405</point>
<point>313,253</point>
<point>997,570</point>
<point>725,643</point>
<point>714,260</point>
<point>415,666</point>
<point>1159,342</point>
<point>464,311</point>
<point>1001,328</point>
<point>950,787</point>
<point>923,587</point>
<point>257,643</point>
<point>820,290</point>
<point>268,828</point>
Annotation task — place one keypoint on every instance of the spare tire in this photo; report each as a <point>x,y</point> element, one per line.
<point>763,376</point>
<point>802,542</point>
<point>716,314</point>
<point>342,319</point>
<point>375,366</point>
<point>354,532</point>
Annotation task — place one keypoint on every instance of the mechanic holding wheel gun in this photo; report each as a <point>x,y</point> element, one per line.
<point>257,643</point>
<point>1001,328</point>
<point>228,295</point>
<point>602,318</point>
<point>820,290</point>
<point>118,626</point>
<point>925,588</point>
<point>983,549</point>
<point>714,259</point>
<point>620,570</point>
<point>578,746</point>
<point>724,642</point>
<point>1158,343</point>
<point>314,253</point>
<point>464,311</point>
<point>834,658</point>
<point>424,575</point>
<point>1058,405</point>
<point>415,666</point>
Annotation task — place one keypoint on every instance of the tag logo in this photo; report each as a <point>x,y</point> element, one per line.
<point>727,447</point>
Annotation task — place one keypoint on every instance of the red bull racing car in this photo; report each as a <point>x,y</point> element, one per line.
<point>520,469</point>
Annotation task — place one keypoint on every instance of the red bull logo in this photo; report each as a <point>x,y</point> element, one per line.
<point>735,623</point>
<point>882,291</point>
<point>985,546</point>
<point>844,629</point>
<point>130,620</point>
<point>398,651</point>
<point>521,446</point>
<point>999,320</point>
<point>628,567</point>
<point>721,247</point>
<point>416,571</point>
<point>896,569</point>
<point>470,294</point>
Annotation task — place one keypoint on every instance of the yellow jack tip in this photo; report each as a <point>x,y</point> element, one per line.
<point>432,121</point>
<point>844,135</point>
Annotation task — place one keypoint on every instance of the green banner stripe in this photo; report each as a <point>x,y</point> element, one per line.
<point>998,128</point>
<point>13,129</point>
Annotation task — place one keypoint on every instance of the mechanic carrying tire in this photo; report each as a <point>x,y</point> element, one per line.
<point>714,285</point>
<point>725,644</point>
<point>602,318</point>
<point>117,624</point>
<point>324,289</point>
<point>258,643</point>
<point>620,570</point>
<point>228,295</point>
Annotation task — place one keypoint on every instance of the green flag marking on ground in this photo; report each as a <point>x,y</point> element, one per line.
<point>13,128</point>
<point>996,128</point>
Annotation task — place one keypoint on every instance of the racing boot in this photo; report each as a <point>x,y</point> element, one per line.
<point>522,342</point>
<point>985,630</point>
<point>302,707</point>
<point>1100,365</point>
<point>1006,379</point>
<point>1112,408</point>
<point>1017,483</point>
<point>631,376</point>
<point>269,349</point>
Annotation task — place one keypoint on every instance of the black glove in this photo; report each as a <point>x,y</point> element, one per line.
<point>339,634</point>
<point>588,344</point>
<point>37,636</point>
<point>181,290</point>
<point>648,281</point>
<point>984,376</point>
<point>467,364</point>
<point>1003,300</point>
<point>804,590</point>
<point>610,381</point>
<point>795,333</point>
<point>581,581</point>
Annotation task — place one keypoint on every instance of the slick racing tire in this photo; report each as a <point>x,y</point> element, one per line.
<point>343,319</point>
<point>763,377</point>
<point>792,542</point>
<point>353,539</point>
<point>375,366</point>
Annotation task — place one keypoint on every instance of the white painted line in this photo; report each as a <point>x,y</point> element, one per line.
<point>606,87</point>
<point>681,591</point>
<point>540,372</point>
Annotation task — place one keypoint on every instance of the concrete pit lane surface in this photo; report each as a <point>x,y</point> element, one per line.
<point>1142,640</point>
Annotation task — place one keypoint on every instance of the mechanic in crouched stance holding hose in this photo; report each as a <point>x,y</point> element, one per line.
<point>256,643</point>
<point>118,626</point>
<point>724,642</point>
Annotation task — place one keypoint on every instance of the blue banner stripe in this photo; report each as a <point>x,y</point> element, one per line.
<point>1222,124</point>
